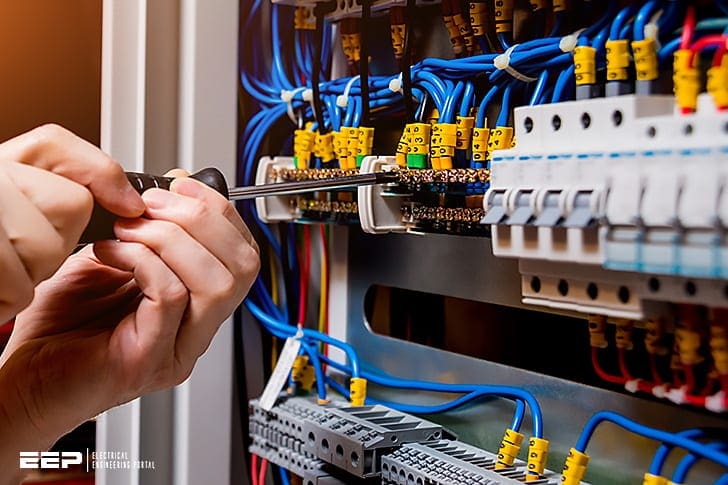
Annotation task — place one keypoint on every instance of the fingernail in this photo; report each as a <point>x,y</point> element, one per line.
<point>134,200</point>
<point>155,198</point>
<point>185,186</point>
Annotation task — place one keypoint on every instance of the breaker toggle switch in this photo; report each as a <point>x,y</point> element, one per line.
<point>551,213</point>
<point>495,201</point>
<point>522,208</point>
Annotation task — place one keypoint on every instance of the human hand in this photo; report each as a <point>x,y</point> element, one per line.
<point>130,317</point>
<point>48,180</point>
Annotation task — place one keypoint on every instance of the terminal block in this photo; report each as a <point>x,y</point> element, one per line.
<point>424,201</point>
<point>355,438</point>
<point>445,462</point>
<point>277,435</point>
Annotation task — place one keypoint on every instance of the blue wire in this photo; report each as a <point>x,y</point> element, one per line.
<point>652,433</point>
<point>643,16</point>
<point>543,79</point>
<point>284,330</point>
<point>681,470</point>
<point>658,460</point>
<point>621,20</point>
<point>505,106</point>
<point>313,356</point>
<point>723,480</point>
<point>509,392</point>
<point>504,41</point>
<point>562,83</point>
<point>467,101</point>
<point>283,473</point>
<point>480,120</point>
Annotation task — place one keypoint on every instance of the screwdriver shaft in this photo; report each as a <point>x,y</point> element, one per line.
<point>302,187</point>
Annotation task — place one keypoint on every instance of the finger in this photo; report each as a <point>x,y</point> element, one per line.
<point>64,203</point>
<point>57,150</point>
<point>16,287</point>
<point>176,173</point>
<point>33,238</point>
<point>198,190</point>
<point>214,291</point>
<point>205,224</point>
<point>161,310</point>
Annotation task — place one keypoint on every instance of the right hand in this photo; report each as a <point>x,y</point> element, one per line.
<point>49,179</point>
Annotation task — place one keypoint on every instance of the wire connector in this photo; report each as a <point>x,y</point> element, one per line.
<point>509,448</point>
<point>650,479</point>
<point>357,391</point>
<point>574,468</point>
<point>717,402</point>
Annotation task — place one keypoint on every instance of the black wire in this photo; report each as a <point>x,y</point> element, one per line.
<point>406,61</point>
<point>318,111</point>
<point>366,14</point>
<point>288,274</point>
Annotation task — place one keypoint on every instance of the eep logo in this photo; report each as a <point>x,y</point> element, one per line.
<point>50,459</point>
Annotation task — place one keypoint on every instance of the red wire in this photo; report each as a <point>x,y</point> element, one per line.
<point>622,359</point>
<point>305,274</point>
<point>688,28</point>
<point>689,377</point>
<point>325,256</point>
<point>254,469</point>
<point>612,379</point>
<point>263,471</point>
<point>655,371</point>
<point>716,40</point>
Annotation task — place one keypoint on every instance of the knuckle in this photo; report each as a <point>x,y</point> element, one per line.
<point>175,294</point>
<point>51,132</point>
<point>228,286</point>
<point>198,211</point>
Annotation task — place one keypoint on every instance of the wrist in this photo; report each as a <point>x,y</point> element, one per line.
<point>17,432</point>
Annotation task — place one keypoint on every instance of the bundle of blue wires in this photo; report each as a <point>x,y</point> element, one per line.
<point>671,439</point>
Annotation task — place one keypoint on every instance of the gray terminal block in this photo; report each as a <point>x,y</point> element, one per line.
<point>277,435</point>
<point>355,438</point>
<point>445,462</point>
<point>300,464</point>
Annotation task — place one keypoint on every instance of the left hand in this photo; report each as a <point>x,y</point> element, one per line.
<point>130,317</point>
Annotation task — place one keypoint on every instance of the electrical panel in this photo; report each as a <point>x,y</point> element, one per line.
<point>553,237</point>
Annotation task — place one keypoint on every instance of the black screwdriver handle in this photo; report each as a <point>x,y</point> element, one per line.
<point>101,225</point>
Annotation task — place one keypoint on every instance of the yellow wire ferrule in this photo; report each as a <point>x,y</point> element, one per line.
<point>617,60</point>
<point>645,59</point>
<point>585,65</point>
<point>501,138</point>
<point>357,391</point>
<point>717,84</point>
<point>574,468</point>
<point>481,138</point>
<point>650,479</point>
<point>538,452</point>
<point>503,16</point>
<point>302,373</point>
<point>686,81</point>
<point>509,448</point>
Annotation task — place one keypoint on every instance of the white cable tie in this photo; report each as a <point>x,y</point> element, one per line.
<point>307,94</point>
<point>395,85</point>
<point>287,97</point>
<point>503,61</point>
<point>342,101</point>
<point>569,42</point>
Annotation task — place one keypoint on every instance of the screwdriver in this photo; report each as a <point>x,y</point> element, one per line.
<point>101,224</point>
